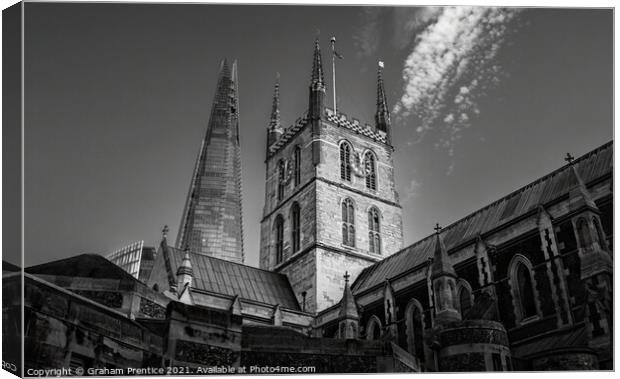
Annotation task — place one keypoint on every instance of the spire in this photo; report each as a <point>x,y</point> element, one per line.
<point>348,307</point>
<point>578,192</point>
<point>317,81</point>
<point>382,117</point>
<point>275,131</point>
<point>348,316</point>
<point>441,266</point>
<point>215,182</point>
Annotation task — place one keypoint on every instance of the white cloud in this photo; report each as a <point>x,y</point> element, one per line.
<point>452,64</point>
<point>404,23</point>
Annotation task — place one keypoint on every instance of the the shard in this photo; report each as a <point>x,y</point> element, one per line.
<point>212,223</point>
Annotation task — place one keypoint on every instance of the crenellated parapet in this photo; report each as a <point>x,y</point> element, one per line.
<point>288,134</point>
<point>340,120</point>
<point>354,124</point>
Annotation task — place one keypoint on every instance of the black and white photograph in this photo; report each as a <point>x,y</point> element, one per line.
<point>241,189</point>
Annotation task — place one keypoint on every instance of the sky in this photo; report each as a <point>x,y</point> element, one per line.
<point>117,99</point>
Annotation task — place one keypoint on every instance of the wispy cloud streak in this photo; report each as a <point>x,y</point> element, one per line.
<point>451,65</point>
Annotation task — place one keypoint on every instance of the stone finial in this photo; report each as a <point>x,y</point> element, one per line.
<point>569,158</point>
<point>346,276</point>
<point>164,232</point>
<point>437,228</point>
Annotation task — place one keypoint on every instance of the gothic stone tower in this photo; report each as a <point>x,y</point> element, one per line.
<point>211,222</point>
<point>330,201</point>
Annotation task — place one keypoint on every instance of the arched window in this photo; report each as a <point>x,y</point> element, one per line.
<point>465,300</point>
<point>599,232</point>
<point>295,224</point>
<point>526,291</point>
<point>370,170</point>
<point>297,167</point>
<point>523,289</point>
<point>373,328</point>
<point>279,238</point>
<point>374,232</point>
<point>414,324</point>
<point>583,230</point>
<point>345,161</point>
<point>348,222</point>
<point>281,175</point>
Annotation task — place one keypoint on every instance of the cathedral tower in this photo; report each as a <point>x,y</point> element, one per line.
<point>330,198</point>
<point>211,222</point>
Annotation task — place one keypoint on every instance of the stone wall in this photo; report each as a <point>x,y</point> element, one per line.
<point>302,274</point>
<point>64,329</point>
<point>329,220</point>
<point>473,345</point>
<point>199,336</point>
<point>329,168</point>
<point>570,360</point>
<point>280,346</point>
<point>331,267</point>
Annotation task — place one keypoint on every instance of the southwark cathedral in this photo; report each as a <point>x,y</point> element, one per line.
<point>522,284</point>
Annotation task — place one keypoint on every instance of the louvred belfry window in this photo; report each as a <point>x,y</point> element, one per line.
<point>297,158</point>
<point>371,171</point>
<point>374,232</point>
<point>348,223</point>
<point>279,238</point>
<point>281,174</point>
<point>345,161</point>
<point>295,226</point>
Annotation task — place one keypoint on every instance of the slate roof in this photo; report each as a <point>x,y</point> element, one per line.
<point>230,278</point>
<point>591,166</point>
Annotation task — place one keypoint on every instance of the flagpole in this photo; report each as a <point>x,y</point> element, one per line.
<point>333,41</point>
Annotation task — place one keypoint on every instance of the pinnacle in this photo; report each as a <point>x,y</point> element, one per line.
<point>317,66</point>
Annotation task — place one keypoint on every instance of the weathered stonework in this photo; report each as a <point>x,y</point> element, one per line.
<point>320,194</point>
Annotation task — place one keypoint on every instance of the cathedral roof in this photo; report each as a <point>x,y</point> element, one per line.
<point>229,278</point>
<point>591,166</point>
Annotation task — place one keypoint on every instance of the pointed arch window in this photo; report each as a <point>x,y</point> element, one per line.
<point>279,238</point>
<point>297,163</point>
<point>348,222</point>
<point>345,161</point>
<point>295,226</point>
<point>371,170</point>
<point>281,175</point>
<point>414,328</point>
<point>373,328</point>
<point>374,231</point>
<point>465,299</point>
<point>523,288</point>
<point>526,291</point>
